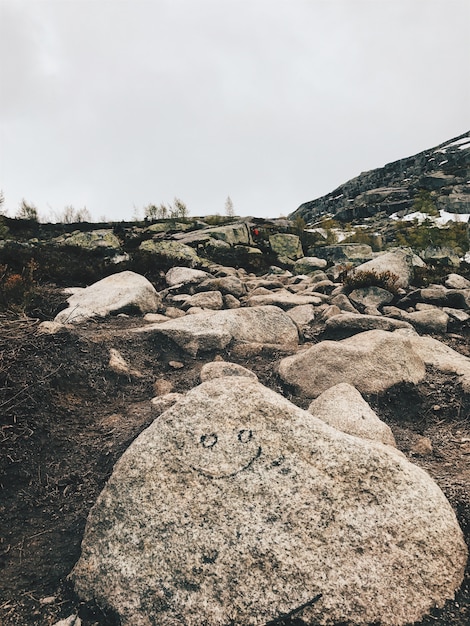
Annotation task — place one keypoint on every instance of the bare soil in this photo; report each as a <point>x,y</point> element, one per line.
<point>66,418</point>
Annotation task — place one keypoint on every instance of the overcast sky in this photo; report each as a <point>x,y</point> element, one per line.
<point>115,104</point>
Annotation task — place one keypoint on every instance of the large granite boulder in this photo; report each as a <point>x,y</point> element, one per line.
<point>208,331</point>
<point>170,251</point>
<point>398,262</point>
<point>237,507</point>
<point>371,361</point>
<point>118,293</point>
<point>286,245</point>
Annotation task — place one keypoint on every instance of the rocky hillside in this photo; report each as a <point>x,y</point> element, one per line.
<point>443,171</point>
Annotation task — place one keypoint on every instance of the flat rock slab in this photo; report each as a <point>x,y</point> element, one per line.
<point>358,323</point>
<point>284,299</point>
<point>371,361</point>
<point>208,331</point>
<point>122,292</point>
<point>237,507</point>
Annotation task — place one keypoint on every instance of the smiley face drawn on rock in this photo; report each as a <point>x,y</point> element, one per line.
<point>225,453</point>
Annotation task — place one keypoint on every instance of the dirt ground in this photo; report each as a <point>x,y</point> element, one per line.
<point>66,418</point>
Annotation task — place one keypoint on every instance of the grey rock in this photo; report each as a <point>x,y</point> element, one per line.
<point>309,264</point>
<point>112,295</point>
<point>205,300</point>
<point>455,281</point>
<point>343,407</point>
<point>283,299</point>
<point>371,361</point>
<point>398,262</point>
<point>302,315</point>
<point>343,302</point>
<point>170,251</point>
<point>358,323</point>
<point>185,276</point>
<point>236,506</point>
<point>215,330</point>
<point>370,296</point>
<point>225,284</point>
<point>286,245</point>
<point>220,369</point>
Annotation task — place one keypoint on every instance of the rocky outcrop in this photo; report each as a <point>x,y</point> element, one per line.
<point>236,506</point>
<point>444,170</point>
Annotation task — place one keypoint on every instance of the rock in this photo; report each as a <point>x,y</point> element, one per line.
<point>370,296</point>
<point>114,294</point>
<point>119,365</point>
<point>154,318</point>
<point>202,332</point>
<point>225,284</point>
<point>51,328</point>
<point>176,365</point>
<point>205,300</point>
<point>283,299</point>
<point>329,311</point>
<point>185,276</point>
<point>429,321</point>
<point>456,315</point>
<point>455,281</point>
<point>170,251</point>
<point>342,302</point>
<point>302,315</point>
<point>398,262</point>
<point>371,361</point>
<point>358,323</point>
<point>230,302</point>
<point>72,620</point>
<point>443,256</point>
<point>286,245</point>
<point>220,369</point>
<point>422,447</point>
<point>443,358</point>
<point>162,386</point>
<point>238,507</point>
<point>164,402</point>
<point>343,407</point>
<point>102,239</point>
<point>309,264</point>
<point>345,252</point>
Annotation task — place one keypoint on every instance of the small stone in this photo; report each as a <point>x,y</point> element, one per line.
<point>422,447</point>
<point>176,365</point>
<point>162,386</point>
<point>436,407</point>
<point>48,600</point>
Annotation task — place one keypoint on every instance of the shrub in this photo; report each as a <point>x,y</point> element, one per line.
<point>370,278</point>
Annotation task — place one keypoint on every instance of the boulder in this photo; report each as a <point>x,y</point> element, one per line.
<point>286,245</point>
<point>343,407</point>
<point>284,299</point>
<point>309,264</point>
<point>101,239</point>
<point>455,281</point>
<point>345,252</point>
<point>370,296</point>
<point>398,262</point>
<point>118,293</point>
<point>205,300</point>
<point>238,507</point>
<point>185,276</point>
<point>302,314</point>
<point>207,331</point>
<point>225,284</point>
<point>170,251</point>
<point>220,369</point>
<point>371,361</point>
<point>357,323</point>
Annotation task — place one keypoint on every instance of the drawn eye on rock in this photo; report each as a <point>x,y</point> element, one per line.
<point>226,453</point>
<point>208,441</point>
<point>244,436</point>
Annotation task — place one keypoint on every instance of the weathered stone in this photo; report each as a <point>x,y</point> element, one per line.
<point>358,323</point>
<point>236,506</point>
<point>343,407</point>
<point>398,262</point>
<point>444,256</point>
<point>302,314</point>
<point>422,447</point>
<point>185,276</point>
<point>230,302</point>
<point>286,245</point>
<point>220,369</point>
<point>225,284</point>
<point>206,300</point>
<point>309,264</point>
<point>283,299</point>
<point>102,239</point>
<point>171,251</point>
<point>370,296</point>
<point>119,365</point>
<point>114,294</point>
<point>342,302</point>
<point>345,252</point>
<point>430,321</point>
<point>371,361</point>
<point>164,402</point>
<point>455,281</point>
<point>203,332</point>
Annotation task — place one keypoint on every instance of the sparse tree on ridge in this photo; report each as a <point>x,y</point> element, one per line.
<point>27,211</point>
<point>229,210</point>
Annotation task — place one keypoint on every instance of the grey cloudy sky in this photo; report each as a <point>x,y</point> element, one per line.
<point>114,104</point>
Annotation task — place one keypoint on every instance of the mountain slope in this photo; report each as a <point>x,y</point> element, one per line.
<point>443,171</point>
